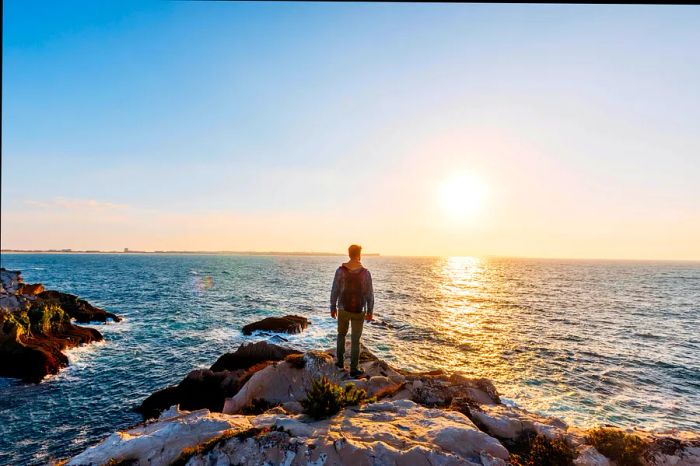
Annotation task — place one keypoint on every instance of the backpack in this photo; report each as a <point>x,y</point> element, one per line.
<point>352,296</point>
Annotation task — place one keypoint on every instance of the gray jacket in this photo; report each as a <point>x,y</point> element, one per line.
<point>367,290</point>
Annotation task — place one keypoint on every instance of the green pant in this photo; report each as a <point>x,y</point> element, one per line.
<point>344,320</point>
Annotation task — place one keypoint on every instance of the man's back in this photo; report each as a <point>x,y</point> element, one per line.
<point>347,273</point>
<point>352,302</point>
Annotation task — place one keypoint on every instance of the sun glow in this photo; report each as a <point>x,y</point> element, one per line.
<point>462,196</point>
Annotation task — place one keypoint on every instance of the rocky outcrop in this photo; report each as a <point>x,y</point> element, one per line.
<point>162,442</point>
<point>35,328</point>
<point>286,324</point>
<point>394,432</point>
<point>208,388</point>
<point>288,380</point>
<point>78,309</point>
<point>414,419</point>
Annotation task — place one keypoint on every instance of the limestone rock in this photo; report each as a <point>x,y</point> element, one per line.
<point>589,456</point>
<point>161,442</point>
<point>208,388</point>
<point>508,423</point>
<point>282,382</point>
<point>396,433</point>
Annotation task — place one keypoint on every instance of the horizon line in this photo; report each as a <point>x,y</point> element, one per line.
<point>328,254</point>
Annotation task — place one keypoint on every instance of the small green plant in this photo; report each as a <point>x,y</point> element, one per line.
<point>325,398</point>
<point>539,450</point>
<point>626,449</point>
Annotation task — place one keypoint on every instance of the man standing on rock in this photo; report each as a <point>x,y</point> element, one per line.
<point>352,302</point>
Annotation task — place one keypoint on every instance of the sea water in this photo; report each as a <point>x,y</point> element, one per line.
<point>591,342</point>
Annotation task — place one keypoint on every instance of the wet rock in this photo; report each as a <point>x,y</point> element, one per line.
<point>286,324</point>
<point>34,331</point>
<point>79,309</point>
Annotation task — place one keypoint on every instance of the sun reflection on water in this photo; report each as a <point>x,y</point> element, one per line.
<point>470,322</point>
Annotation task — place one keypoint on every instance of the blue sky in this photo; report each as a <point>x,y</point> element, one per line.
<point>267,125</point>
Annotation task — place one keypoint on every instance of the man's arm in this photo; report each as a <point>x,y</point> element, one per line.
<point>335,292</point>
<point>369,297</point>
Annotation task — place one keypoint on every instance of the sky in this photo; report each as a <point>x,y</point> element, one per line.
<point>556,131</point>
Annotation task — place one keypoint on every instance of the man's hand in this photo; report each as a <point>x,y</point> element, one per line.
<point>368,317</point>
<point>334,313</point>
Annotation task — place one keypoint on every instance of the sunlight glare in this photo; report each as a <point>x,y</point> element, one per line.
<point>462,196</point>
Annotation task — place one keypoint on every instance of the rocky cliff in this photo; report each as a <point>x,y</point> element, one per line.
<point>407,418</point>
<point>36,326</point>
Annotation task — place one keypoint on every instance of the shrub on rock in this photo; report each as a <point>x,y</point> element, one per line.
<point>325,398</point>
<point>540,450</point>
<point>626,449</point>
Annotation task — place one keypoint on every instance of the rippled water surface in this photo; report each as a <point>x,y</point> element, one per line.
<point>588,341</point>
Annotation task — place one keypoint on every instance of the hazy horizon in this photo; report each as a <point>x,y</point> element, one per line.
<point>329,254</point>
<point>523,131</point>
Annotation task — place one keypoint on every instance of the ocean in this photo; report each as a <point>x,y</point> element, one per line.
<point>592,342</point>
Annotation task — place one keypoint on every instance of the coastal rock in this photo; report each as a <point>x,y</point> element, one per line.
<point>11,280</point>
<point>475,428</point>
<point>286,324</point>
<point>508,423</point>
<point>673,448</point>
<point>34,330</point>
<point>251,354</point>
<point>78,309</point>
<point>284,381</point>
<point>31,289</point>
<point>437,389</point>
<point>589,456</point>
<point>398,432</point>
<point>208,388</point>
<point>289,380</point>
<point>161,442</point>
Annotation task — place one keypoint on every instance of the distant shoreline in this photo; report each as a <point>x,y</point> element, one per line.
<point>211,253</point>
<point>334,254</point>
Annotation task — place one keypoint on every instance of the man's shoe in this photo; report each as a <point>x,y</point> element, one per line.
<point>357,373</point>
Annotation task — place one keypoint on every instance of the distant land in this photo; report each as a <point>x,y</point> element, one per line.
<point>131,251</point>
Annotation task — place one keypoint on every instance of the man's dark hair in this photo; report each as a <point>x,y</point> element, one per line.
<point>354,251</point>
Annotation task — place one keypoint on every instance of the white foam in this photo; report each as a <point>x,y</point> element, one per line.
<point>78,354</point>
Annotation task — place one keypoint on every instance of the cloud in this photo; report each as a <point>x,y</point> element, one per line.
<point>85,205</point>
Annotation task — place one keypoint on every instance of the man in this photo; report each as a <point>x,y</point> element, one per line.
<point>352,302</point>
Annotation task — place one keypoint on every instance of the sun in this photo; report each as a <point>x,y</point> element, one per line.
<point>462,196</point>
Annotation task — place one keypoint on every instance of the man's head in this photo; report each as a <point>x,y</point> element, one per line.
<point>355,251</point>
